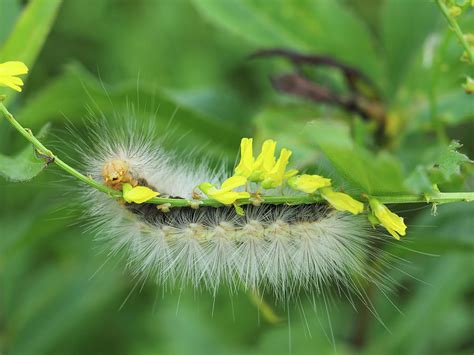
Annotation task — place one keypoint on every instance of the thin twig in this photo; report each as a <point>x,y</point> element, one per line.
<point>457,30</point>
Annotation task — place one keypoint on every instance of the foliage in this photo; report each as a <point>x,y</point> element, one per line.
<point>187,61</point>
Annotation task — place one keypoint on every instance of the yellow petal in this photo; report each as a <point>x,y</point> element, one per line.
<point>264,162</point>
<point>13,68</point>
<point>233,182</point>
<point>228,198</point>
<point>308,183</point>
<point>276,176</point>
<point>393,223</point>
<point>246,158</point>
<point>8,70</point>
<point>242,194</point>
<point>206,187</point>
<point>393,233</point>
<point>341,201</point>
<point>290,173</point>
<point>138,194</point>
<point>11,82</point>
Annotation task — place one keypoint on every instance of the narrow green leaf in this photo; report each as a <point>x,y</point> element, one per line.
<point>9,10</point>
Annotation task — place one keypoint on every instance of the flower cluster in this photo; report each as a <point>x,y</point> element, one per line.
<point>268,172</point>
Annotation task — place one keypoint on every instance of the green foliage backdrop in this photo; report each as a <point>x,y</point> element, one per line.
<point>188,60</point>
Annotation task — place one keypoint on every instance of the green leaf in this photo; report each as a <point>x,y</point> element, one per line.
<point>9,10</point>
<point>25,165</point>
<point>450,161</point>
<point>313,26</point>
<point>405,26</point>
<point>30,33</point>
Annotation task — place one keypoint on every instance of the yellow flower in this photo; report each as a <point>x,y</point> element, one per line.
<point>277,174</point>
<point>264,162</point>
<point>341,201</point>
<point>8,72</point>
<point>393,223</point>
<point>264,168</point>
<point>225,194</point>
<point>308,183</point>
<point>138,194</point>
<point>247,160</point>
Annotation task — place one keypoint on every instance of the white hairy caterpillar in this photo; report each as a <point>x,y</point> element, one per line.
<point>280,248</point>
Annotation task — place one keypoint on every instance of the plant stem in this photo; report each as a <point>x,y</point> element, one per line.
<point>46,152</point>
<point>438,197</point>
<point>457,30</point>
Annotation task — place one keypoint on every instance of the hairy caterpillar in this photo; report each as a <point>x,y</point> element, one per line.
<point>279,248</point>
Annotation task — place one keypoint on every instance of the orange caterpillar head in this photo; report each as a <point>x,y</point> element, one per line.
<point>116,172</point>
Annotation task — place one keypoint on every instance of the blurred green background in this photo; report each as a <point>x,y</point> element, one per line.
<point>187,61</point>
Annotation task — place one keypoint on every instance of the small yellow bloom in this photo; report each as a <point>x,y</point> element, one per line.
<point>8,72</point>
<point>393,223</point>
<point>275,177</point>
<point>225,194</point>
<point>341,201</point>
<point>138,194</point>
<point>247,160</point>
<point>308,183</point>
<point>264,162</point>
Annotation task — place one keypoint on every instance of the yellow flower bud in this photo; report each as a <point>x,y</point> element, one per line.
<point>9,72</point>
<point>341,201</point>
<point>308,183</point>
<point>246,164</point>
<point>393,223</point>
<point>225,194</point>
<point>138,194</point>
<point>276,176</point>
<point>264,162</point>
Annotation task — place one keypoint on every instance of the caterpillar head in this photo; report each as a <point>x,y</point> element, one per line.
<point>116,172</point>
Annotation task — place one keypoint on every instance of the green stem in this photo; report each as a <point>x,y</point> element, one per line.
<point>438,197</point>
<point>457,30</point>
<point>46,152</point>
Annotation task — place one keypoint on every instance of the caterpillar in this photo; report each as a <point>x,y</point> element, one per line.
<point>280,248</point>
